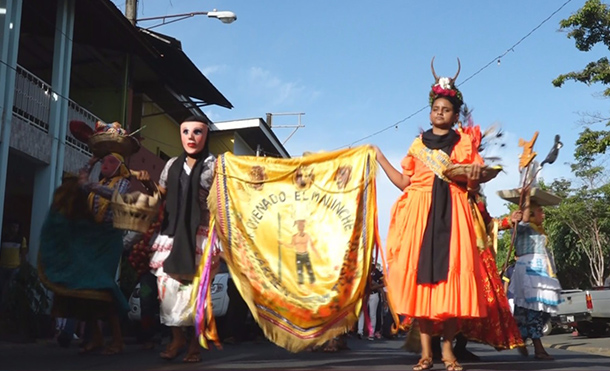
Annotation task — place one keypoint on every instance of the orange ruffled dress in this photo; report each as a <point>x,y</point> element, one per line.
<point>461,295</point>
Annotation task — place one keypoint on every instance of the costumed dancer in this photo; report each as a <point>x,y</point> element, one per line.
<point>185,183</point>
<point>534,284</point>
<point>80,251</point>
<point>434,267</point>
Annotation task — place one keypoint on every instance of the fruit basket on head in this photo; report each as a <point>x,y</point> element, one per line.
<point>134,211</point>
<point>105,139</point>
<point>111,138</point>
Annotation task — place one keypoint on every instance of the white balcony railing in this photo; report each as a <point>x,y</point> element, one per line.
<point>33,100</point>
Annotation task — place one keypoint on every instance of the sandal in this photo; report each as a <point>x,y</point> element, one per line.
<point>423,364</point>
<point>453,365</point>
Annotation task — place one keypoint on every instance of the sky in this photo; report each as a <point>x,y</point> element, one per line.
<point>355,68</point>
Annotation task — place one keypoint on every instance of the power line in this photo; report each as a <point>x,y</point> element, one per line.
<point>494,60</point>
<point>396,124</point>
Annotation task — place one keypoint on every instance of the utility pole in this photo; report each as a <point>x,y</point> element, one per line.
<point>131,10</point>
<point>295,127</point>
<point>131,13</point>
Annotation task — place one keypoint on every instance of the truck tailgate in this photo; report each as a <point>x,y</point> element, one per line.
<point>573,307</point>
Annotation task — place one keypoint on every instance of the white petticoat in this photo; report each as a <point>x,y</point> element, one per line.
<point>534,285</point>
<point>174,295</point>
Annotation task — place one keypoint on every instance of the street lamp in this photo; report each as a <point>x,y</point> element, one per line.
<point>223,15</point>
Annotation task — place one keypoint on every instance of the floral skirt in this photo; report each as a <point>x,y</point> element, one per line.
<point>499,328</point>
<point>174,293</point>
<point>531,322</point>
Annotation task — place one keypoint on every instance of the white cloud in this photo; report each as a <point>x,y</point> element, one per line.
<point>212,114</point>
<point>211,70</point>
<point>276,91</point>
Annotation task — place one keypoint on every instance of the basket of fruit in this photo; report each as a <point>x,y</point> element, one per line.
<point>105,138</point>
<point>134,211</point>
<point>112,138</point>
<point>459,172</point>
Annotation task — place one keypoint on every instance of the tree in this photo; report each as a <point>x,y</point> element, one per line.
<point>570,260</point>
<point>584,211</point>
<point>589,26</point>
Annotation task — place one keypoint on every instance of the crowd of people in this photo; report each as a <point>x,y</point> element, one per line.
<point>441,272</point>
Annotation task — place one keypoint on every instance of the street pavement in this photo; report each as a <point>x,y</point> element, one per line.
<point>595,346</point>
<point>571,354</point>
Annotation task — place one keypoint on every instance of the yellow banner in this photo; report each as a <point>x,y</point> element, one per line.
<point>298,236</point>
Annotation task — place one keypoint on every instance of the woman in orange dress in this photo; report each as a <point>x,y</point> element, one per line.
<point>434,267</point>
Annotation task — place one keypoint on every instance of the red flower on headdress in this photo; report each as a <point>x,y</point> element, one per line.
<point>438,90</point>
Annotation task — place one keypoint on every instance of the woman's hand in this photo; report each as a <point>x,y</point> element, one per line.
<point>396,177</point>
<point>474,176</point>
<point>144,177</point>
<point>377,152</point>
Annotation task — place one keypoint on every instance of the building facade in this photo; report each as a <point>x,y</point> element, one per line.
<point>59,63</point>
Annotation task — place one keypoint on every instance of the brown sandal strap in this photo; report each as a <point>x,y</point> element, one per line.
<point>423,364</point>
<point>453,365</point>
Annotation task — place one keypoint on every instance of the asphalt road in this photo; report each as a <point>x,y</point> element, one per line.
<point>570,353</point>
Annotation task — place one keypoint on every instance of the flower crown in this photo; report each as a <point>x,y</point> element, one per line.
<point>445,86</point>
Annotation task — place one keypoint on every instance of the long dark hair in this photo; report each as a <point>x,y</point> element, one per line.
<point>205,152</point>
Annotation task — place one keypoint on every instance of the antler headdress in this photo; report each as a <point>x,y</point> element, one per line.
<point>445,86</point>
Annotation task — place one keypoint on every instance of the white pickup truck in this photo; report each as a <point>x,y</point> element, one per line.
<point>587,310</point>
